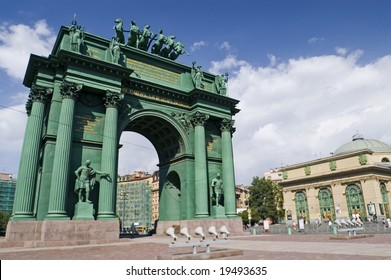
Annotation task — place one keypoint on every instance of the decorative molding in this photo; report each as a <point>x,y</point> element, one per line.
<point>227,125</point>
<point>307,170</point>
<point>184,119</point>
<point>199,119</point>
<point>125,110</point>
<point>363,159</point>
<point>113,99</point>
<point>70,90</point>
<point>90,100</point>
<point>38,94</point>
<point>333,165</point>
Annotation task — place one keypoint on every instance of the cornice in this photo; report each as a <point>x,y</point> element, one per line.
<point>365,171</point>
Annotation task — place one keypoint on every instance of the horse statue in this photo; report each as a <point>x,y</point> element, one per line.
<point>165,52</point>
<point>178,49</point>
<point>144,37</point>
<point>161,40</point>
<point>133,35</point>
<point>119,30</point>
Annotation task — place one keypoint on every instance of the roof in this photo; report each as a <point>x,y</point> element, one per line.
<point>359,143</point>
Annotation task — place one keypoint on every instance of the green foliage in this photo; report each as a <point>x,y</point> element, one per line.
<point>266,199</point>
<point>4,218</point>
<point>254,217</point>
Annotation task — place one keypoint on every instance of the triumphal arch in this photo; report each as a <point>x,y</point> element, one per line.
<point>83,96</point>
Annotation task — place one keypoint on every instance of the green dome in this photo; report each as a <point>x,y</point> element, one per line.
<point>359,143</point>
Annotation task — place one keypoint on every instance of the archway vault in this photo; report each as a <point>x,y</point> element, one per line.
<point>162,130</point>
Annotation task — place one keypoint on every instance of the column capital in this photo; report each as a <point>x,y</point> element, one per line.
<point>70,89</point>
<point>199,119</point>
<point>38,94</point>
<point>113,99</point>
<point>227,125</point>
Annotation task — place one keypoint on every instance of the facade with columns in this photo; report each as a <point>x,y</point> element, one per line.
<point>80,102</point>
<point>355,179</point>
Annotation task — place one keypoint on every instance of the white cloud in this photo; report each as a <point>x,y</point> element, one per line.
<point>341,51</point>
<point>146,158</point>
<point>315,40</point>
<point>18,41</point>
<point>305,107</point>
<point>12,126</point>
<point>230,63</point>
<point>225,46</point>
<point>197,45</point>
<point>273,59</point>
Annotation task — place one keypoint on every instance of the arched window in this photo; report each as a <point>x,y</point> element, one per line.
<point>355,200</point>
<point>385,159</point>
<point>385,207</point>
<point>302,206</point>
<point>326,204</point>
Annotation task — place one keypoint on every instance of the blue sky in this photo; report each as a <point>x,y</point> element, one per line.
<point>309,74</point>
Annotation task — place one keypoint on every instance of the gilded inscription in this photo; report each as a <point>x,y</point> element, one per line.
<point>209,146</point>
<point>155,97</point>
<point>94,53</point>
<point>152,71</point>
<point>87,124</point>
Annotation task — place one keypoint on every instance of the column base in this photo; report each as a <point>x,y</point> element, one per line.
<point>22,217</point>
<point>206,215</point>
<point>107,217</point>
<point>56,216</point>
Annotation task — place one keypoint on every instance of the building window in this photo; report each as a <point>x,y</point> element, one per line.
<point>301,206</point>
<point>385,207</point>
<point>355,200</point>
<point>326,204</point>
<point>385,160</point>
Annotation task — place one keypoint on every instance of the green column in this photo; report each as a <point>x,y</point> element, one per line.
<point>228,167</point>
<point>201,174</point>
<point>62,153</point>
<point>107,191</point>
<point>28,167</point>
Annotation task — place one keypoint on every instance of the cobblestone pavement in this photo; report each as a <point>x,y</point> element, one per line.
<point>255,247</point>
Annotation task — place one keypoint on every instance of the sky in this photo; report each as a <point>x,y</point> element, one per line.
<point>309,74</point>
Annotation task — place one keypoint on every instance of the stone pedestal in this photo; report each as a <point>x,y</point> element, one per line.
<point>218,211</point>
<point>234,226</point>
<point>60,233</point>
<point>84,211</point>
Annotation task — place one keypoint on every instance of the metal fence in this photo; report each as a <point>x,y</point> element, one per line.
<point>368,228</point>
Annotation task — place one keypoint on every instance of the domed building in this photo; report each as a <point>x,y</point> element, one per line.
<point>355,179</point>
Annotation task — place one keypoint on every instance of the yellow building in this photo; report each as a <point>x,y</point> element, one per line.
<point>355,179</point>
<point>242,195</point>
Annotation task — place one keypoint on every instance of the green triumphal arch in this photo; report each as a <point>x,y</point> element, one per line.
<point>83,96</point>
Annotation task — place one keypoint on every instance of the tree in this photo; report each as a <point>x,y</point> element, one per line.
<point>266,198</point>
<point>254,217</point>
<point>4,218</point>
